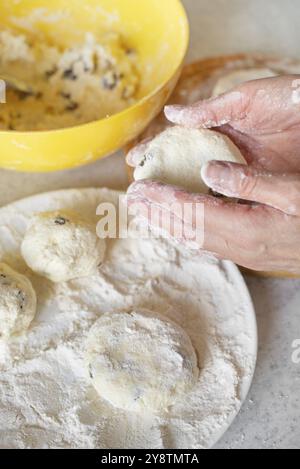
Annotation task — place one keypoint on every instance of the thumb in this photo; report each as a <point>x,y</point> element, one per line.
<point>243,182</point>
<point>210,113</point>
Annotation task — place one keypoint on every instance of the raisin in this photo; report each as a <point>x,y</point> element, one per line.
<point>23,95</point>
<point>72,107</point>
<point>65,95</point>
<point>60,221</point>
<point>147,157</point>
<point>110,80</point>
<point>50,73</point>
<point>69,74</point>
<point>21,298</point>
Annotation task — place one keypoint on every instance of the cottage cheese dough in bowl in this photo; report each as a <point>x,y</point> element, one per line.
<point>140,361</point>
<point>62,246</point>
<point>201,308</point>
<point>177,155</point>
<point>17,302</point>
<point>95,68</point>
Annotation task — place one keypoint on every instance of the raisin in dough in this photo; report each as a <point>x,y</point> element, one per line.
<point>236,78</point>
<point>141,361</point>
<point>17,302</point>
<point>177,155</point>
<point>62,246</point>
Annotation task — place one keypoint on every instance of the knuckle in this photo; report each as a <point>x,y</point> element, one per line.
<point>293,199</point>
<point>209,116</point>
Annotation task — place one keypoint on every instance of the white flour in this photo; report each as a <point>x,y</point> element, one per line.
<point>46,397</point>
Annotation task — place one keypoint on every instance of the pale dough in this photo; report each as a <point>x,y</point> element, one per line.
<point>177,155</point>
<point>236,78</point>
<point>141,361</point>
<point>62,246</point>
<point>17,302</point>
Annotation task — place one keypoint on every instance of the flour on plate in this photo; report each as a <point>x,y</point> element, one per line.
<point>47,399</point>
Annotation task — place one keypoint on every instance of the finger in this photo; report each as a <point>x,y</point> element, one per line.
<point>249,147</point>
<point>136,154</point>
<point>265,155</point>
<point>230,229</point>
<point>210,113</point>
<point>163,222</point>
<point>243,182</point>
<point>163,194</point>
<point>249,255</point>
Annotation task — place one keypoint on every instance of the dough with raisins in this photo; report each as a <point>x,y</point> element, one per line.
<point>140,361</point>
<point>62,246</point>
<point>17,302</point>
<point>177,155</point>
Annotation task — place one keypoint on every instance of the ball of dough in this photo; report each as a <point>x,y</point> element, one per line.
<point>62,246</point>
<point>236,78</point>
<point>17,302</point>
<point>177,155</point>
<point>140,361</point>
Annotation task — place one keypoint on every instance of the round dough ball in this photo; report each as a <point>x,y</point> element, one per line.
<point>17,302</point>
<point>236,78</point>
<point>62,246</point>
<point>177,155</point>
<point>140,361</point>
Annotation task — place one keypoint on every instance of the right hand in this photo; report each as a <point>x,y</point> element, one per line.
<point>263,118</point>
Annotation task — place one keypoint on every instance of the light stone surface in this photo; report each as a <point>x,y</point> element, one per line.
<point>270,418</point>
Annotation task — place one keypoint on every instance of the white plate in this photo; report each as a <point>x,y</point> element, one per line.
<point>54,404</point>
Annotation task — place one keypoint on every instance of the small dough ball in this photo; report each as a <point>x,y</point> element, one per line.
<point>177,155</point>
<point>233,79</point>
<point>17,302</point>
<point>62,246</point>
<point>141,361</point>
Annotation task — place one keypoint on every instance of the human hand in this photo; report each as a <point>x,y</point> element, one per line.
<point>263,119</point>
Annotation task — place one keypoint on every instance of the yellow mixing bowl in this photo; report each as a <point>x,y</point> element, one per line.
<point>158,29</point>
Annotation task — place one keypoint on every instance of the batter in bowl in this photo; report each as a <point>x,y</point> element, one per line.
<point>68,87</point>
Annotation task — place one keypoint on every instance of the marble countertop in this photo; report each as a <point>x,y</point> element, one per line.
<point>271,415</point>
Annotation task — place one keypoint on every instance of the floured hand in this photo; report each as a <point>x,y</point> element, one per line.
<point>263,119</point>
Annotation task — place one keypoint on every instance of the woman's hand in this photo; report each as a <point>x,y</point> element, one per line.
<point>263,118</point>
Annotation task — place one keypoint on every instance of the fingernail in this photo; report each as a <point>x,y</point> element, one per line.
<point>174,113</point>
<point>218,176</point>
<point>187,116</point>
<point>135,188</point>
